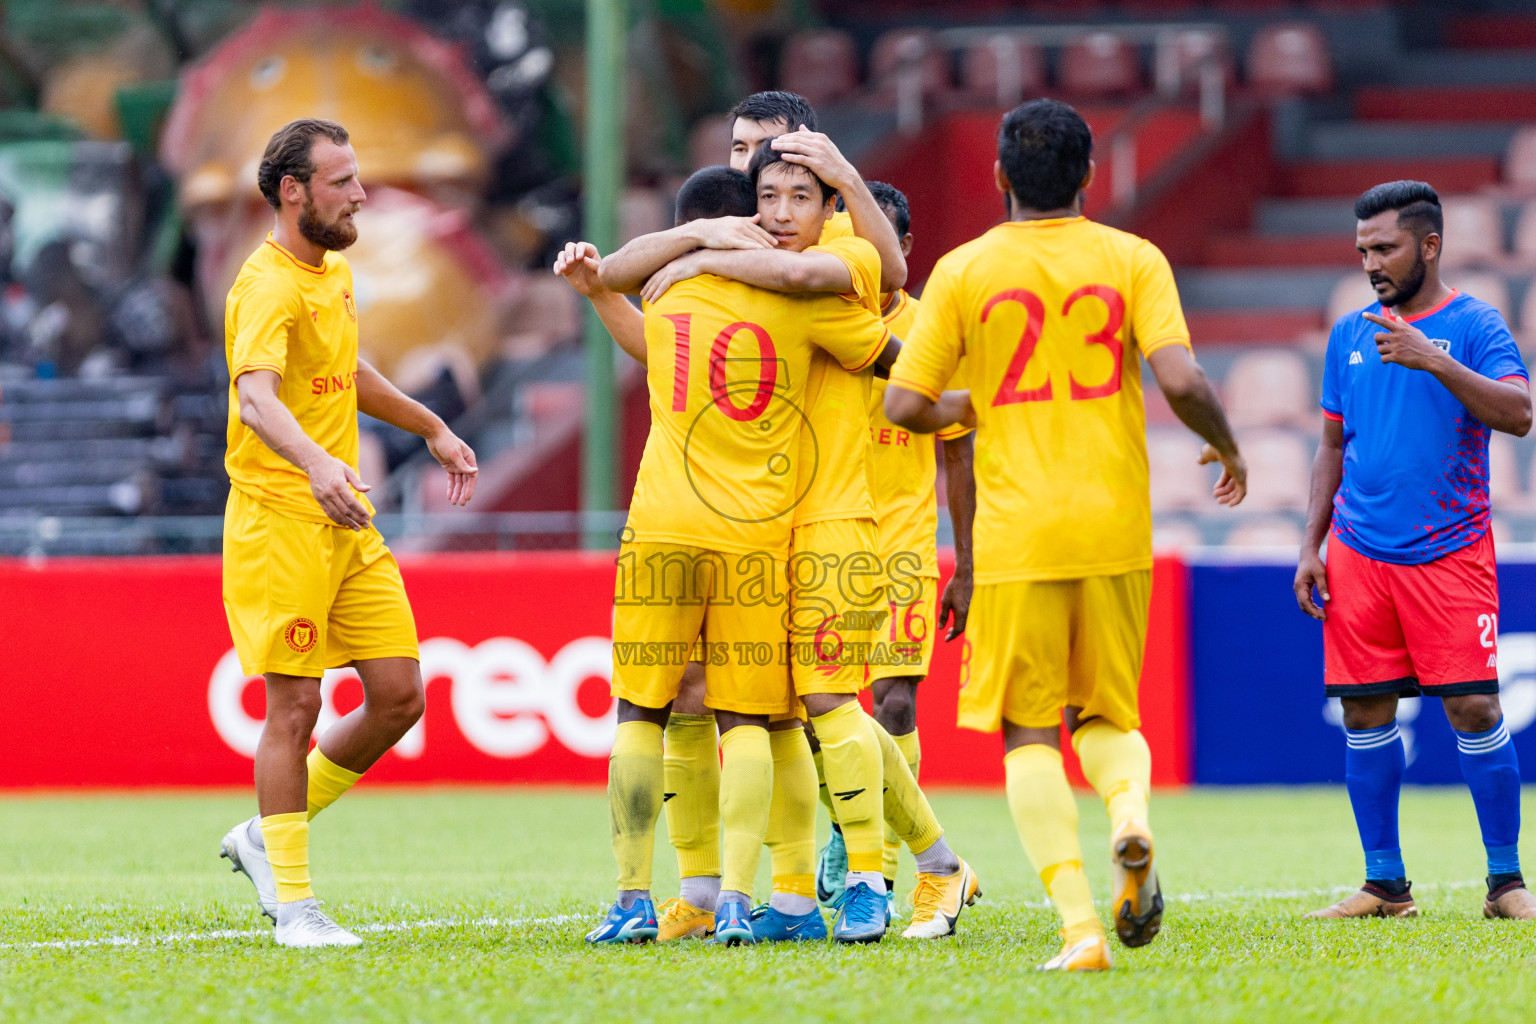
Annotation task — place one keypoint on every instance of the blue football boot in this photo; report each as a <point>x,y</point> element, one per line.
<point>831,871</point>
<point>769,925</point>
<point>890,904</point>
<point>860,915</point>
<point>637,924</point>
<point>733,924</point>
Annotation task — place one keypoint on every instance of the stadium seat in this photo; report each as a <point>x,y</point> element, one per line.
<point>1178,480</point>
<point>1271,388</point>
<point>1474,232</point>
<point>1279,465</point>
<point>1520,160</point>
<point>901,47</point>
<point>1100,65</point>
<point>1177,56</point>
<point>1267,532</point>
<point>1001,71</point>
<point>1353,291</point>
<point>1504,475</point>
<point>1289,59</point>
<point>1491,287</point>
<point>1524,244</point>
<point>709,141</point>
<point>821,65</point>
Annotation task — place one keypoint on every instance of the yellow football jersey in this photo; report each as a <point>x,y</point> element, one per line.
<point>839,225</point>
<point>729,371</point>
<point>905,469</point>
<point>1049,316</point>
<point>301,322</point>
<point>835,453</point>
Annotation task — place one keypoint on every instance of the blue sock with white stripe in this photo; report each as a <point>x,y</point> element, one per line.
<point>1492,770</point>
<point>1373,774</point>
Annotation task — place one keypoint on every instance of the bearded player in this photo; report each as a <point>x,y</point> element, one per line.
<point>1412,387</point>
<point>1053,314</point>
<point>308,582</point>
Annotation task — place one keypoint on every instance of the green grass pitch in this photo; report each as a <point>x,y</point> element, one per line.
<point>474,903</point>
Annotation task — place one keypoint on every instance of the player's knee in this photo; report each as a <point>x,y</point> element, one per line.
<point>410,706</point>
<point>1474,712</point>
<point>295,714</point>
<point>1369,712</point>
<point>895,706</point>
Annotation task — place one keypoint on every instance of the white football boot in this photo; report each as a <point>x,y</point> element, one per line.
<point>251,860</point>
<point>302,925</point>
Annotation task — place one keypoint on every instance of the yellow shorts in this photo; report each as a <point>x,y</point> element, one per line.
<point>1040,646</point>
<point>668,596</point>
<point>303,597</point>
<point>905,645</point>
<point>837,604</point>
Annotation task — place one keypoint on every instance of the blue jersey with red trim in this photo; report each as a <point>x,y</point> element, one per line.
<point>1415,460</point>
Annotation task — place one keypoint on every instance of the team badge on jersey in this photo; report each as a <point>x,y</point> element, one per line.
<point>1442,344</point>
<point>346,298</point>
<point>301,635</point>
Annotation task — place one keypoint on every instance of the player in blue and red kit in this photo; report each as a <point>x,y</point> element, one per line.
<point>1412,385</point>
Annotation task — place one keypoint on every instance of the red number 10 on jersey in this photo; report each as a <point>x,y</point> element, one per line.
<point>1009,392</point>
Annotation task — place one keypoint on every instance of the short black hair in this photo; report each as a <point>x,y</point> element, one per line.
<point>716,192</point>
<point>767,156</point>
<point>790,107</point>
<point>288,154</point>
<point>1044,147</point>
<point>896,199</point>
<point>1416,202</point>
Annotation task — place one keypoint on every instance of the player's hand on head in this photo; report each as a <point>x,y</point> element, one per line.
<point>734,233</point>
<point>335,486</point>
<point>1400,342</point>
<point>1310,573</point>
<point>458,459</point>
<point>679,270</point>
<point>1232,486</point>
<point>955,604</point>
<point>578,263</point>
<point>819,153</point>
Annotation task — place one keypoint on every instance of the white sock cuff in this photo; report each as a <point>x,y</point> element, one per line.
<point>1483,742</point>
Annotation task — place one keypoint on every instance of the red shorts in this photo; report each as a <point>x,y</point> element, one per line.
<point>1410,629</point>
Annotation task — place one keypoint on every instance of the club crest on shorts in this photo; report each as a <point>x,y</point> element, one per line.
<point>301,635</point>
<point>346,298</point>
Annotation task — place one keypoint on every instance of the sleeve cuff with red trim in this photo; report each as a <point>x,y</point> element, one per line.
<point>874,353</point>
<point>1518,378</point>
<point>248,367</point>
<point>912,385</point>
<point>1175,339</point>
<point>1331,415</point>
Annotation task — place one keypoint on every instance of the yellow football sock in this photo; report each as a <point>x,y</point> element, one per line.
<point>906,808</point>
<point>891,848</point>
<point>634,800</point>
<point>746,794</point>
<point>693,780</point>
<point>850,754</point>
<point>1046,816</point>
<point>327,781</point>
<point>286,837</point>
<point>821,785</point>
<point>791,838</point>
<point>1119,765</point>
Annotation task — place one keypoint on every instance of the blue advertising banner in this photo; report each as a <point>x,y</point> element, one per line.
<point>1256,668</point>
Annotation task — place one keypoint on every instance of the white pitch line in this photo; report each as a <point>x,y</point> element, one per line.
<point>426,924</point>
<point>434,923</point>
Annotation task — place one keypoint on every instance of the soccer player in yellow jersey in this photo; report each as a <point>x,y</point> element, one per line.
<point>728,370</point>
<point>1050,312</point>
<point>308,582</point>
<point>902,479</point>
<point>835,583</point>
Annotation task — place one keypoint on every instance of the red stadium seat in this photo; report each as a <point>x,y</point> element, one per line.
<point>902,47</point>
<point>1100,65</point>
<point>1270,388</point>
<point>821,65</point>
<point>1491,287</point>
<point>1290,58</point>
<point>1474,232</point>
<point>1279,465</point>
<point>1520,160</point>
<point>1178,56</point>
<point>709,141</point>
<point>1178,480</point>
<point>1002,71</point>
